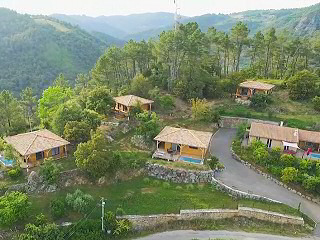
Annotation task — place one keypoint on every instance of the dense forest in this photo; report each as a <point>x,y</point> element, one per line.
<point>187,63</point>
<point>35,49</point>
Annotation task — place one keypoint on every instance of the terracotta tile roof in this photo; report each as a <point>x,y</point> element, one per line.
<point>185,137</point>
<point>257,85</point>
<point>274,132</point>
<point>309,136</point>
<point>37,141</point>
<point>131,100</point>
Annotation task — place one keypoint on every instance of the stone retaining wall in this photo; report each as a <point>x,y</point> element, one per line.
<point>234,122</point>
<point>239,194</point>
<point>151,221</point>
<point>178,175</point>
<point>249,165</point>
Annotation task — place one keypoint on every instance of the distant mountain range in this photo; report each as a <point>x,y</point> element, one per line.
<point>301,21</point>
<point>35,49</point>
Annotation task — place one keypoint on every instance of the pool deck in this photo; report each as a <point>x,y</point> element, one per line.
<point>162,154</point>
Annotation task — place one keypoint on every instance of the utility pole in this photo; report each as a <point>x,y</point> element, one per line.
<point>102,213</point>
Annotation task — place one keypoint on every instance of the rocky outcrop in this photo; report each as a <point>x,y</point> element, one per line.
<point>35,184</point>
<point>178,175</point>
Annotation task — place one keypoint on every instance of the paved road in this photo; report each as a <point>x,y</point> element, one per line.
<point>243,178</point>
<point>205,235</point>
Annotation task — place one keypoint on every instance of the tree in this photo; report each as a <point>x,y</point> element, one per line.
<point>94,157</point>
<point>149,125</point>
<point>140,86</point>
<point>13,207</point>
<point>270,41</point>
<point>67,112</point>
<point>57,208</point>
<point>100,100</point>
<point>92,118</point>
<point>61,81</point>
<point>239,35</point>
<point>302,85</point>
<point>316,103</point>
<point>50,170</point>
<point>50,102</point>
<point>289,174</point>
<point>77,132</point>
<point>29,103</point>
<point>10,113</point>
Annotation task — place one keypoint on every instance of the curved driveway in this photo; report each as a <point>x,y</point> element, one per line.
<point>245,179</point>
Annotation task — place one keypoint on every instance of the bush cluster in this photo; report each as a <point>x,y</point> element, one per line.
<point>291,169</point>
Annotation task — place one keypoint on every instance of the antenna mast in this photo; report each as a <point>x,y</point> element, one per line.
<point>176,15</point>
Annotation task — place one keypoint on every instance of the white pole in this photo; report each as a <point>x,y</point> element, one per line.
<point>102,212</point>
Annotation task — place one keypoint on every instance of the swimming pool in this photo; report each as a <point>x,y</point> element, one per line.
<point>191,160</point>
<point>6,162</point>
<point>315,155</point>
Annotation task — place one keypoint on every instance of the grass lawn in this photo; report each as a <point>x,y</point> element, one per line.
<point>140,196</point>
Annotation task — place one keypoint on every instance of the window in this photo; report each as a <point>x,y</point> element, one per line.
<point>39,155</point>
<point>193,147</point>
<point>269,143</point>
<point>55,151</point>
<point>286,148</point>
<point>125,108</point>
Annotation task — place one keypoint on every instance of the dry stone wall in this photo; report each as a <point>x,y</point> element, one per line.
<point>151,221</point>
<point>178,175</point>
<point>234,122</point>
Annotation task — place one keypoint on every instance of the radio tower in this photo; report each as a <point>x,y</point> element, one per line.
<point>176,15</point>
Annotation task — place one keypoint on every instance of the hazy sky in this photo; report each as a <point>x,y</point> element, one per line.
<point>125,7</point>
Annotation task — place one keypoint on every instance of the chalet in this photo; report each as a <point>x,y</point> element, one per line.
<point>288,139</point>
<point>180,144</point>
<point>247,89</point>
<point>33,147</point>
<point>125,103</point>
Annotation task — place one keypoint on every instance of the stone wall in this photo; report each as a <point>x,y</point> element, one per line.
<point>178,175</point>
<point>234,122</point>
<point>239,194</point>
<point>151,221</point>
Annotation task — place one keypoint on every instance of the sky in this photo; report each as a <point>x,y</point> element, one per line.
<point>126,7</point>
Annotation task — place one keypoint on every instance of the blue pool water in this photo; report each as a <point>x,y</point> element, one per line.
<point>6,162</point>
<point>191,160</point>
<point>315,155</point>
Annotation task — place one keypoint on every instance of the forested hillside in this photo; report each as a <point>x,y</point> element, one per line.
<point>35,49</point>
<point>303,21</point>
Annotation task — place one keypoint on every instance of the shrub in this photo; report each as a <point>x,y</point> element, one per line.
<point>190,187</point>
<point>40,219</point>
<point>289,174</point>
<point>58,208</point>
<point>15,173</point>
<point>120,212</point>
<point>220,166</point>
<point>166,102</point>
<point>213,162</point>
<point>50,170</point>
<point>241,131</point>
<point>261,155</point>
<point>316,103</point>
<point>146,180</point>
<point>312,184</point>
<point>260,101</point>
<point>156,183</point>
<point>288,160</point>
<point>13,207</point>
<point>79,201</point>
<point>166,185</point>
<point>117,227</point>
<point>179,188</point>
<point>302,85</point>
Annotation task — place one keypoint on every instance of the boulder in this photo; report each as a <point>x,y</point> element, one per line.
<point>17,188</point>
<point>2,172</point>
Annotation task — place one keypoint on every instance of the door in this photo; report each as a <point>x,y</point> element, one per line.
<point>174,147</point>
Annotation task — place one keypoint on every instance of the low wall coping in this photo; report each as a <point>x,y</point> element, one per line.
<point>269,213</point>
<point>208,211</point>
